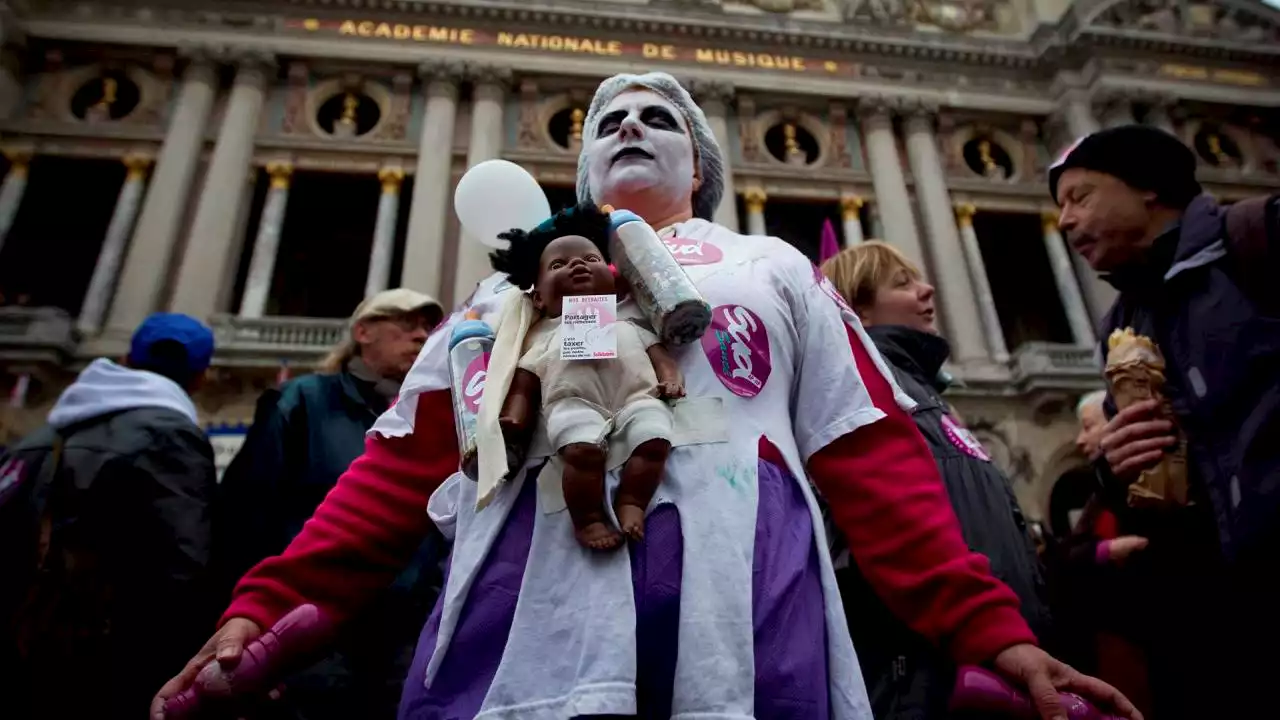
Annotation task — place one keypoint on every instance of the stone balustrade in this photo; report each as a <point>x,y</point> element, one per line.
<point>36,334</point>
<point>1041,365</point>
<point>272,340</point>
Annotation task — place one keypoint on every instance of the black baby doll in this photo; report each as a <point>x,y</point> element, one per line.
<point>588,406</point>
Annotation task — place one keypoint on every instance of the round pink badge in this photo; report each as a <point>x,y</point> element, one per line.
<point>693,252</point>
<point>473,382</point>
<point>737,346</point>
<point>964,440</point>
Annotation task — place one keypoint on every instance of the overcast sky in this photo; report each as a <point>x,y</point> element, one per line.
<point>1272,3</point>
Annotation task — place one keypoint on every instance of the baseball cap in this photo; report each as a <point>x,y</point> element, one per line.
<point>399,301</point>
<point>185,330</point>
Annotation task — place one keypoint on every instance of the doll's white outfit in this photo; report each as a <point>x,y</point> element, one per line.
<point>591,401</point>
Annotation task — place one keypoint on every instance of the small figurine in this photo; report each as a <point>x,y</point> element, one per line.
<point>587,404</point>
<point>1135,372</point>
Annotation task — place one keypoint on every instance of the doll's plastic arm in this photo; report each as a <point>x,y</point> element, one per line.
<point>666,368</point>
<point>523,398</point>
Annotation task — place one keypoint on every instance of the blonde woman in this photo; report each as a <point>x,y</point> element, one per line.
<point>906,677</point>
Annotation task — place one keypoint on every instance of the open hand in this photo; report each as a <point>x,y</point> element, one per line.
<point>1135,439</point>
<point>1119,549</point>
<point>1043,676</point>
<point>226,646</point>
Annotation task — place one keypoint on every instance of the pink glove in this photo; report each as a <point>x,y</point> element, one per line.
<point>298,635</point>
<point>982,691</point>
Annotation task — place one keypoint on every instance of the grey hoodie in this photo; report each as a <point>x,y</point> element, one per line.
<point>105,387</point>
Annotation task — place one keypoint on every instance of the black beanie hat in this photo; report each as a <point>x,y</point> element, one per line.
<point>1144,158</point>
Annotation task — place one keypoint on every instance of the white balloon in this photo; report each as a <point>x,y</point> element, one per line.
<point>496,196</point>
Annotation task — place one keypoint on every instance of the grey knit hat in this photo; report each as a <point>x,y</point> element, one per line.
<point>707,151</point>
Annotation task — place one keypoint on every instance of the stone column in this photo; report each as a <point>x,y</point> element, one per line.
<point>430,206</point>
<point>1098,295</point>
<point>955,286</point>
<point>14,187</point>
<point>714,99</point>
<point>1079,116</point>
<point>1068,289</point>
<point>851,214</point>
<point>488,94</point>
<point>384,232</point>
<point>1115,109</point>
<point>887,178</point>
<point>1160,115</point>
<point>981,286</point>
<point>209,254</point>
<point>755,198</point>
<point>107,269</point>
<point>266,246</point>
<point>147,261</point>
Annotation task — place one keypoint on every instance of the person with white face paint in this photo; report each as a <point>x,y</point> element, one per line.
<point>728,609</point>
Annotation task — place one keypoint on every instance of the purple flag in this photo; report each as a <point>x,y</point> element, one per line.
<point>830,245</point>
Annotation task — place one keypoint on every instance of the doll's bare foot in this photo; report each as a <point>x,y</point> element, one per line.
<point>631,518</point>
<point>598,536</point>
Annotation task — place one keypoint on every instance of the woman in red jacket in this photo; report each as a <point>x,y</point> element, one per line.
<point>534,626</point>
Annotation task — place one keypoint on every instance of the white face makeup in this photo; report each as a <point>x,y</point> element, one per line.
<point>642,155</point>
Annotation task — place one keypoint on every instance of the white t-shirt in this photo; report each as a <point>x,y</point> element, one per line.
<point>777,364</point>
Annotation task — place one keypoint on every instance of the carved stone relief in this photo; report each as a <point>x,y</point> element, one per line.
<point>839,133</point>
<point>529,135</point>
<point>295,100</point>
<point>397,121</point>
<point>748,129</point>
<point>1221,21</point>
<point>102,93</point>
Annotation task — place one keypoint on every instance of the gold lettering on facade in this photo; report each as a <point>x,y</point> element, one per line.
<point>659,52</point>
<point>559,43</point>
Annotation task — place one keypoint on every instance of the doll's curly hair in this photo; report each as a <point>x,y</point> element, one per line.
<point>522,259</point>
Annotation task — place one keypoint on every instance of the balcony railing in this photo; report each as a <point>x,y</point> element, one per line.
<point>1039,365</point>
<point>36,334</point>
<point>272,340</point>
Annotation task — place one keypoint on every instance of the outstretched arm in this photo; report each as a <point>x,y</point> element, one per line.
<point>365,531</point>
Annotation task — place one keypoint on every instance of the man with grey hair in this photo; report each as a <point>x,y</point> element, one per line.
<point>729,608</point>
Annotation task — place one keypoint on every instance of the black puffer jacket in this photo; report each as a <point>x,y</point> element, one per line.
<point>907,677</point>
<point>123,600</point>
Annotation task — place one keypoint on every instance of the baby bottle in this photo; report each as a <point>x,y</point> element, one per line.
<point>469,349</point>
<point>665,294</point>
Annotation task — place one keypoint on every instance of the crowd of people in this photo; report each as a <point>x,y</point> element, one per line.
<point>827,541</point>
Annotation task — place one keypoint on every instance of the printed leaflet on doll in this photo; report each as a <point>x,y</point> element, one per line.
<point>588,328</point>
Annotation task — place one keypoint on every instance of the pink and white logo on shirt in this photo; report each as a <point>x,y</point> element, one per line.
<point>473,383</point>
<point>830,289</point>
<point>964,440</point>
<point>693,252</point>
<point>737,346</point>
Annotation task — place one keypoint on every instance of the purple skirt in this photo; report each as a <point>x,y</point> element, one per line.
<point>788,614</point>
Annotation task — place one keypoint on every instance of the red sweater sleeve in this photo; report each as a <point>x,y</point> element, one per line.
<point>365,531</point>
<point>882,485</point>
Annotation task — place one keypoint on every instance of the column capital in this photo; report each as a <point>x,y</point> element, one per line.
<point>710,91</point>
<point>136,165</point>
<point>755,197</point>
<point>965,213</point>
<point>875,107</point>
<point>280,172</point>
<point>851,206</point>
<point>19,156</point>
<point>450,71</point>
<point>1049,220</point>
<point>391,176</point>
<point>918,110</point>
<point>484,74</point>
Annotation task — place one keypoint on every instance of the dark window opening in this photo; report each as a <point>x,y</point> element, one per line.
<point>325,245</point>
<point>560,197</point>
<point>50,252</point>
<point>1021,278</point>
<point>800,223</point>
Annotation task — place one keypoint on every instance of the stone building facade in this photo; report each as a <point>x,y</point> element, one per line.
<point>265,165</point>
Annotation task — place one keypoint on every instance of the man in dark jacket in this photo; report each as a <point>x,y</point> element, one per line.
<point>302,439</point>
<point>1199,281</point>
<point>106,532</point>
